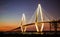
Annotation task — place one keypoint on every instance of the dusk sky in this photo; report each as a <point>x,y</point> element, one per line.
<point>11,10</point>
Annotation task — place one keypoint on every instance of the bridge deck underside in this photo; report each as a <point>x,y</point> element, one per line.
<point>33,28</point>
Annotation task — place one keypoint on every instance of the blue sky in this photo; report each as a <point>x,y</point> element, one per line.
<point>11,10</point>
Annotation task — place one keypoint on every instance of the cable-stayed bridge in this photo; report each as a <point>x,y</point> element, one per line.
<point>38,18</point>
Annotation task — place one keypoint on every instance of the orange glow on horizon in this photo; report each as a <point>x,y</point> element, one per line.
<point>6,26</point>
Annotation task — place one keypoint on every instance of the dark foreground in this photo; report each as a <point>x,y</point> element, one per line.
<point>17,34</point>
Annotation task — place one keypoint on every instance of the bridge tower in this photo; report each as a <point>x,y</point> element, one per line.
<point>39,10</point>
<point>23,21</point>
<point>41,14</point>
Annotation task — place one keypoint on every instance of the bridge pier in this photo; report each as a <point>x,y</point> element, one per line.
<point>36,26</point>
<point>50,25</point>
<point>22,29</point>
<point>25,29</point>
